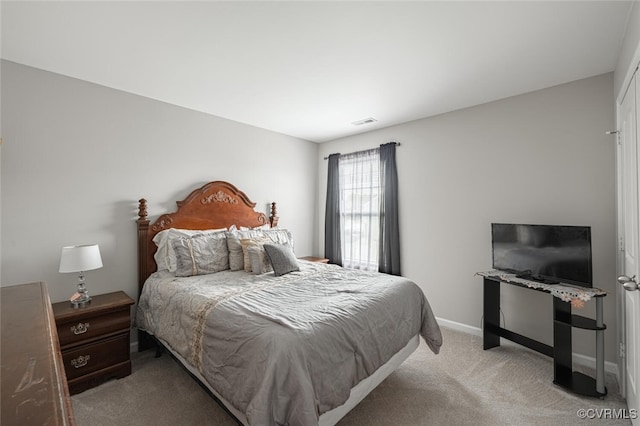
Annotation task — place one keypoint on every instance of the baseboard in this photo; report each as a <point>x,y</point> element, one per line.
<point>590,362</point>
<point>578,359</point>
<point>476,331</point>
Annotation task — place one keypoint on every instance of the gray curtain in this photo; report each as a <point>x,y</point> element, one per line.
<point>389,259</point>
<point>332,242</point>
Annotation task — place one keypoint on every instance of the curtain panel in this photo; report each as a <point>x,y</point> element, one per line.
<point>332,226</point>
<point>389,256</point>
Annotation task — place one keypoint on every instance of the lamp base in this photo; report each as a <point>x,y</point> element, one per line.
<point>78,305</point>
<point>79,302</point>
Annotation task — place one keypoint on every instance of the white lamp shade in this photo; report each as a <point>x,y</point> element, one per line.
<point>80,258</point>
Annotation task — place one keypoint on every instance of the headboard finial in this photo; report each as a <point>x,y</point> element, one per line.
<point>273,219</point>
<point>142,209</point>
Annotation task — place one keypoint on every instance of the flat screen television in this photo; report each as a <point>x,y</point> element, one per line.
<point>545,253</point>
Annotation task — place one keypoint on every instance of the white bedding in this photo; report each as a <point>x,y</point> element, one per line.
<point>285,350</point>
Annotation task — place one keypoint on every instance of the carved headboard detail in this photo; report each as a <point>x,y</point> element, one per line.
<point>216,205</point>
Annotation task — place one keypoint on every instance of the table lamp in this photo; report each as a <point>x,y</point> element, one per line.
<point>80,259</point>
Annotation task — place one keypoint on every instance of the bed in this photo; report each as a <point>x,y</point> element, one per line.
<point>277,340</point>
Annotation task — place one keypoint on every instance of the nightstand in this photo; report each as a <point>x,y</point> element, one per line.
<point>94,340</point>
<point>315,259</point>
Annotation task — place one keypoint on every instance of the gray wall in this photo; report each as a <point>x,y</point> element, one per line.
<point>77,157</point>
<point>541,157</point>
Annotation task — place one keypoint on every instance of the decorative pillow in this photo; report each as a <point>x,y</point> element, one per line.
<point>161,239</point>
<point>236,255</point>
<point>165,256</point>
<point>251,242</point>
<point>282,258</point>
<point>201,254</point>
<point>259,261</point>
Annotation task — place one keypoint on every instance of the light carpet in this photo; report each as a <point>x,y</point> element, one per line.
<point>463,385</point>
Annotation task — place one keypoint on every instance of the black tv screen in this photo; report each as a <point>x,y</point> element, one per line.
<point>546,253</point>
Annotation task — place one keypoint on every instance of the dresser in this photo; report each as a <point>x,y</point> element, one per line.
<point>33,386</point>
<point>95,340</point>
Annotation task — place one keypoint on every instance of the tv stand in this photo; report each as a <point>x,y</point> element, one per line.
<point>538,279</point>
<point>563,322</point>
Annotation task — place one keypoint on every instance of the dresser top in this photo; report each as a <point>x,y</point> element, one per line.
<point>33,387</point>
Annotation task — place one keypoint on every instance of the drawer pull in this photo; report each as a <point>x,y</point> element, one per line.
<point>81,361</point>
<point>81,328</point>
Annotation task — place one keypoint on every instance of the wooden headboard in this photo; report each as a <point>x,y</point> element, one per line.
<point>216,205</point>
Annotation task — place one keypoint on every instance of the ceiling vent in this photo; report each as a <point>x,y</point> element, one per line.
<point>364,121</point>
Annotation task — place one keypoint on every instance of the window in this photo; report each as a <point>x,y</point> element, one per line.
<point>361,228</point>
<point>359,177</point>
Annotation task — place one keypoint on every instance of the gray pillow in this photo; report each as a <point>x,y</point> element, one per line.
<point>282,258</point>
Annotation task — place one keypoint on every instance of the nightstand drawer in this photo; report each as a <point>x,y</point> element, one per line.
<point>92,357</point>
<point>85,329</point>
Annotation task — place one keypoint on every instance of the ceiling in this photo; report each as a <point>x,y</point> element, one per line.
<point>310,69</point>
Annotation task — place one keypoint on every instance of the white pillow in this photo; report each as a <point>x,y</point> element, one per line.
<point>201,254</point>
<point>165,255</point>
<point>236,255</point>
<point>280,236</point>
<point>251,242</point>
<point>259,261</point>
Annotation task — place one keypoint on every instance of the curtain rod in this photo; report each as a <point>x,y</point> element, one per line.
<point>397,144</point>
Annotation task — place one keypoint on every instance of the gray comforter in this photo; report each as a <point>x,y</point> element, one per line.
<point>284,350</point>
